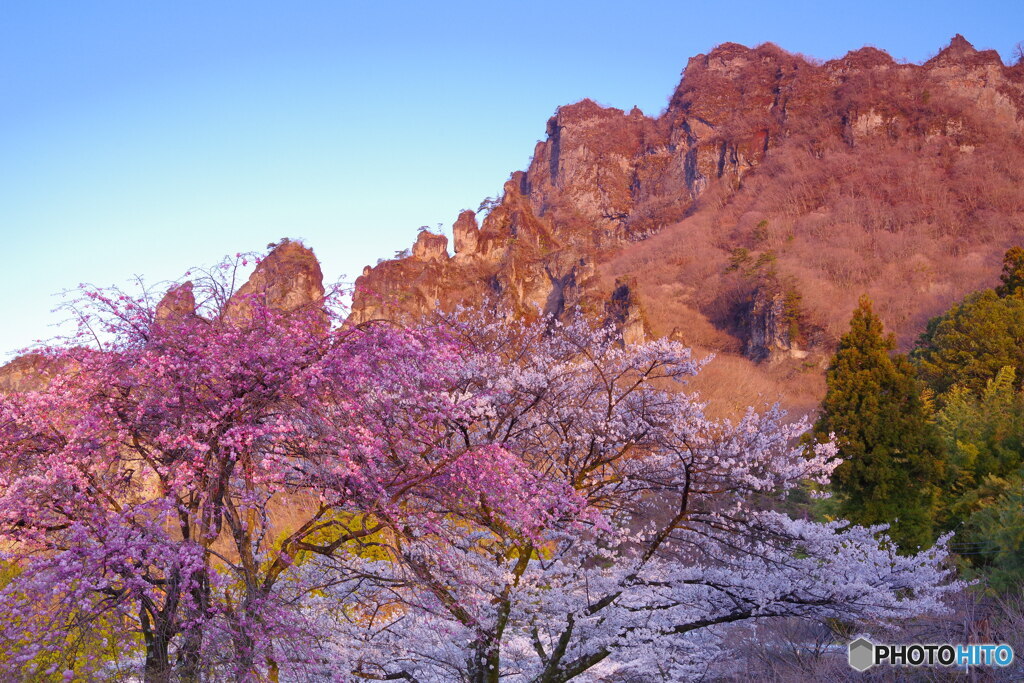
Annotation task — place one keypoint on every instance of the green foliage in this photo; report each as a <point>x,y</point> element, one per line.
<point>372,546</point>
<point>982,435</point>
<point>792,312</point>
<point>88,644</point>
<point>971,342</point>
<point>874,406</point>
<point>997,532</point>
<point>806,502</point>
<point>766,260</point>
<point>489,204</point>
<point>762,269</point>
<point>972,359</point>
<point>738,259</point>
<point>1013,273</point>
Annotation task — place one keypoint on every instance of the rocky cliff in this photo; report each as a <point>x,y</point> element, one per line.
<point>745,220</point>
<point>749,215</point>
<point>288,279</point>
<point>29,372</point>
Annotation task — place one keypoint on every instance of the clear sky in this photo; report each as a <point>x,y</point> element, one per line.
<point>147,137</point>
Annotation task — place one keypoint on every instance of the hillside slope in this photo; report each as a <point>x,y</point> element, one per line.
<point>750,215</point>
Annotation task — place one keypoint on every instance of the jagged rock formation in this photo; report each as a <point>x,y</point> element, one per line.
<point>179,302</point>
<point>430,247</point>
<point>288,279</point>
<point>855,175</point>
<point>467,234</point>
<point>745,219</point>
<point>623,312</point>
<point>772,327</point>
<point>25,373</point>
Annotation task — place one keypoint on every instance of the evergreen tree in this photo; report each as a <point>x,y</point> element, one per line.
<point>982,436</point>
<point>875,408</point>
<point>970,343</point>
<point>995,533</point>
<point>983,483</point>
<point>1013,273</point>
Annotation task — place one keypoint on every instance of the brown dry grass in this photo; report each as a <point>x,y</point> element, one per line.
<point>915,213</point>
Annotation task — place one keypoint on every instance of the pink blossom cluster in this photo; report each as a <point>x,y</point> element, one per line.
<point>212,495</point>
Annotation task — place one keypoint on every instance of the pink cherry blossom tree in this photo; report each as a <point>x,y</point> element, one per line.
<point>183,455</point>
<point>671,537</point>
<point>233,491</point>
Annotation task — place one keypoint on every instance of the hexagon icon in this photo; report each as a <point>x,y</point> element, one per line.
<point>862,654</point>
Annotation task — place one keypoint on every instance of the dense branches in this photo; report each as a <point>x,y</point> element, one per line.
<point>260,494</point>
<point>668,550</point>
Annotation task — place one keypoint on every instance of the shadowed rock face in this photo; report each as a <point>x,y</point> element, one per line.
<point>604,180</point>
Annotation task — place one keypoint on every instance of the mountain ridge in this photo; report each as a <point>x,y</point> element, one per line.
<point>744,220</point>
<point>747,218</point>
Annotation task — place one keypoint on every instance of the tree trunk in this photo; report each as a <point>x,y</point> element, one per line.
<point>485,665</point>
<point>189,664</point>
<point>189,657</point>
<point>158,667</point>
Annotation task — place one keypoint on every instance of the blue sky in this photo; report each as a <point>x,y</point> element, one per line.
<point>147,137</point>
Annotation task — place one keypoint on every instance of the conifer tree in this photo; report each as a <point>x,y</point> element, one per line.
<point>875,408</point>
<point>970,343</point>
<point>1013,273</point>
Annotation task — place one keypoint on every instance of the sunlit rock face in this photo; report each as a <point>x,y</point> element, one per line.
<point>761,151</point>
<point>467,235</point>
<point>288,279</point>
<point>30,372</point>
<point>178,303</point>
<point>430,247</point>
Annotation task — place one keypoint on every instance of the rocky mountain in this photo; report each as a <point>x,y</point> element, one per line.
<point>748,217</point>
<point>288,279</point>
<point>745,220</point>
